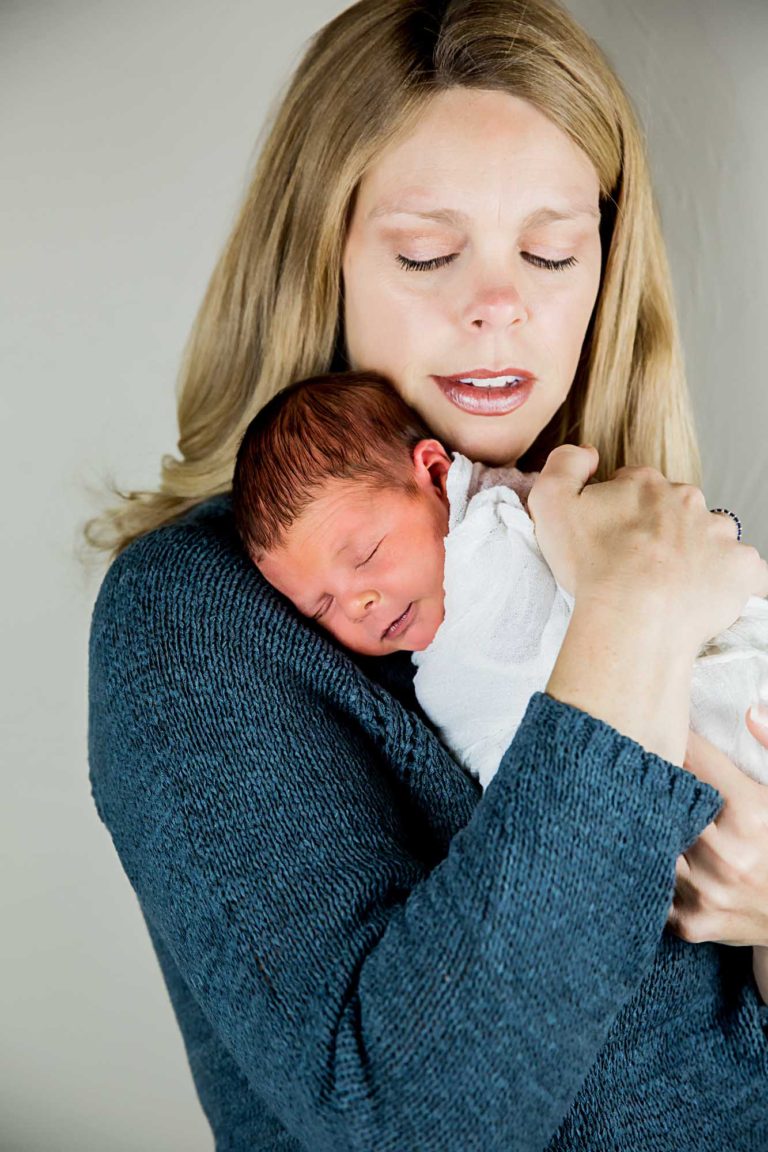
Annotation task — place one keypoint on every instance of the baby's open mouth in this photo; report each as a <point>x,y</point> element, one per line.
<point>399,624</point>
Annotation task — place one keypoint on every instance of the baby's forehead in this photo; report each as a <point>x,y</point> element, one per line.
<point>341,505</point>
<point>359,495</point>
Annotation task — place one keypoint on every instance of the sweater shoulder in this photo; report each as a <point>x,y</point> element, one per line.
<point>183,606</point>
<point>188,589</point>
<point>179,561</point>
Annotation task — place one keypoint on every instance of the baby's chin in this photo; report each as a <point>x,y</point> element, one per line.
<point>420,635</point>
<point>419,644</point>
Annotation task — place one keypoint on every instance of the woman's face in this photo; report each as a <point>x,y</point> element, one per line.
<point>474,252</point>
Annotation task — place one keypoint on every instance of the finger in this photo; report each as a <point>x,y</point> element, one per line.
<point>682,892</point>
<point>673,918</point>
<point>733,522</point>
<point>570,464</point>
<point>682,870</point>
<point>692,890</point>
<point>757,716</point>
<point>703,864</point>
<point>682,919</point>
<point>686,894</point>
<point>711,765</point>
<point>693,915</point>
<point>757,723</point>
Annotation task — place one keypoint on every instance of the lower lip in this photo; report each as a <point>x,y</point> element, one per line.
<point>485,401</point>
<point>401,625</point>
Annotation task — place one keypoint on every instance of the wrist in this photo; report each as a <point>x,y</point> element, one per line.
<point>617,664</point>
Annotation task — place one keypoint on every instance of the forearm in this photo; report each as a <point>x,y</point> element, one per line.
<point>623,667</point>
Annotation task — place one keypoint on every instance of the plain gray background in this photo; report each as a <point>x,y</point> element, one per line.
<point>126,135</point>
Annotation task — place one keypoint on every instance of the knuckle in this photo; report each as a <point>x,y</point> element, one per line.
<point>562,450</point>
<point>692,496</point>
<point>749,829</point>
<point>743,881</point>
<point>626,470</point>
<point>685,927</point>
<point>644,472</point>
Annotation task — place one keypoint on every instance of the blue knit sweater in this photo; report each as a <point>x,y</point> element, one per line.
<point>364,953</point>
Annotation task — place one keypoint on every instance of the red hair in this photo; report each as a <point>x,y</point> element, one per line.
<point>342,425</point>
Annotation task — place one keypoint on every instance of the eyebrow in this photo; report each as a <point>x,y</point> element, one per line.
<point>453,216</point>
<point>315,607</point>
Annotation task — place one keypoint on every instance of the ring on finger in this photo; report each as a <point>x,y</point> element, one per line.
<point>727,512</point>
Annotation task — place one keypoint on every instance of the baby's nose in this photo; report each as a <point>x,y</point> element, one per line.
<point>362,603</point>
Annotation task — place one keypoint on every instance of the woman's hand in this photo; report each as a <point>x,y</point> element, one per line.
<point>642,544</point>
<point>721,890</point>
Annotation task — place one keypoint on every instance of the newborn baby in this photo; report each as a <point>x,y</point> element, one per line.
<point>353,511</point>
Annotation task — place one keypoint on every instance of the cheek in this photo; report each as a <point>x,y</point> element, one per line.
<point>567,322</point>
<point>384,326</point>
<point>386,322</point>
<point>365,298</point>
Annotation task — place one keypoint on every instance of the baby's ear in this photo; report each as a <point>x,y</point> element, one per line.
<point>431,462</point>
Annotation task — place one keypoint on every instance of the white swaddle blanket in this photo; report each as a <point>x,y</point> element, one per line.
<point>505,620</point>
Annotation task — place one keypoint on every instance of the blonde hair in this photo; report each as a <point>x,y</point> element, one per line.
<point>271,313</point>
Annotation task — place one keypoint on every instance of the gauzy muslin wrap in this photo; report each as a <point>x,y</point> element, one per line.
<point>505,620</point>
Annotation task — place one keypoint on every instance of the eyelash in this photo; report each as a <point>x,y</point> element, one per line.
<point>441,261</point>
<point>325,607</point>
<point>362,562</point>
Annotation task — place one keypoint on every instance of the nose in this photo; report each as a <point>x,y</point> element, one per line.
<point>358,604</point>
<point>496,306</point>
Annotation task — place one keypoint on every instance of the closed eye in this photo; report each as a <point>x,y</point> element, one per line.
<point>441,261</point>
<point>362,562</point>
<point>424,265</point>
<point>551,265</point>
<point>322,609</point>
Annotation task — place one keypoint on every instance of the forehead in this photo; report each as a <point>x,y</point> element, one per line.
<point>328,532</point>
<point>340,507</point>
<point>484,142</point>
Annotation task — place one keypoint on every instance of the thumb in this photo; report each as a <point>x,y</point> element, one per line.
<point>571,465</point>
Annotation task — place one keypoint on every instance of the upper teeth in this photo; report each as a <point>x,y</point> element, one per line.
<point>491,382</point>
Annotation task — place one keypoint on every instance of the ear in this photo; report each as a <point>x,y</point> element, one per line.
<point>431,463</point>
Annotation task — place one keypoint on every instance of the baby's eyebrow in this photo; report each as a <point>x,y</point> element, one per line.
<point>347,544</point>
<point>312,611</point>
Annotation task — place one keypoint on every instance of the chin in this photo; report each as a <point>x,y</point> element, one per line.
<point>487,439</point>
<point>495,450</point>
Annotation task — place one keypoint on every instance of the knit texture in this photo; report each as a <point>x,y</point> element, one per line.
<point>362,951</point>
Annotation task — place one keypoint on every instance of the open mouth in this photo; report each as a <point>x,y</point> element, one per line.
<point>487,395</point>
<point>489,381</point>
<point>399,625</point>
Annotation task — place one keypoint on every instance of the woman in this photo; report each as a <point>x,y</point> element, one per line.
<point>361,952</point>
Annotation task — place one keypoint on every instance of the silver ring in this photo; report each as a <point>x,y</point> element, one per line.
<point>727,512</point>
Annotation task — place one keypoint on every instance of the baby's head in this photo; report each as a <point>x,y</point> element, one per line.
<point>339,499</point>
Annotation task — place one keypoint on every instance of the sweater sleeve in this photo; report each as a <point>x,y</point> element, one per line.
<point>373,996</point>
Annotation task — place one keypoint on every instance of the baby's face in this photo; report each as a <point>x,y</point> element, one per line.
<point>367,565</point>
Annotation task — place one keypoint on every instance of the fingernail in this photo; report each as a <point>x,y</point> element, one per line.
<point>758,714</point>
